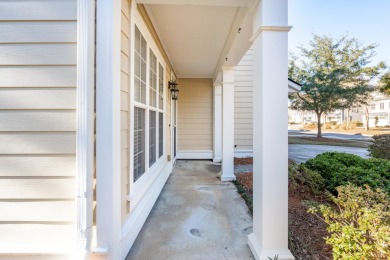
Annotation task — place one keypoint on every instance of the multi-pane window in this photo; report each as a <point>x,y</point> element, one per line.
<point>152,137</point>
<point>140,67</point>
<point>161,86</point>
<point>381,105</point>
<point>148,107</point>
<point>152,80</point>
<point>139,142</point>
<point>160,134</point>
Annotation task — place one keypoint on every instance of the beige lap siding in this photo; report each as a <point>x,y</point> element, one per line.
<point>195,115</point>
<point>125,108</point>
<point>37,124</point>
<point>243,103</point>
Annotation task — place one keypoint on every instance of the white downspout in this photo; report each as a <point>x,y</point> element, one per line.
<point>85,126</point>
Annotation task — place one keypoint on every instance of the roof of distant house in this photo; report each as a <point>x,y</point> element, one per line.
<point>293,86</point>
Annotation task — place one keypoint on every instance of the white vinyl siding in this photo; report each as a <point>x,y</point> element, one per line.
<point>38,75</point>
<point>125,108</point>
<point>243,103</point>
<point>195,115</point>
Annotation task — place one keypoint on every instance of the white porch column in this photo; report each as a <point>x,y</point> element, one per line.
<point>217,122</point>
<point>108,188</point>
<point>270,145</point>
<point>228,124</point>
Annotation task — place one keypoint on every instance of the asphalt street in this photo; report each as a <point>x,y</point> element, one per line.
<point>303,152</point>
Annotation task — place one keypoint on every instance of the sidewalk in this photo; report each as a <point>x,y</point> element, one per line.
<point>196,217</point>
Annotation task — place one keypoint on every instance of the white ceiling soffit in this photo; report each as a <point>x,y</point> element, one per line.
<point>197,38</point>
<point>231,3</point>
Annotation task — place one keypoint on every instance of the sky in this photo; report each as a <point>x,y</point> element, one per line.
<point>366,20</point>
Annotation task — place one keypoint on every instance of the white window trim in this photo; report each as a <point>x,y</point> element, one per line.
<point>143,183</point>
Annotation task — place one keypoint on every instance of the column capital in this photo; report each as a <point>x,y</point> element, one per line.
<point>217,84</point>
<point>217,90</point>
<point>272,28</point>
<point>227,76</point>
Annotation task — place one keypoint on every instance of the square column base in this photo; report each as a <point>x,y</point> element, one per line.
<point>254,245</point>
<point>217,160</point>
<point>228,178</point>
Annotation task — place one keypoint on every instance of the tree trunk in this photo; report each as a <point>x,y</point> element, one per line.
<point>367,118</point>
<point>319,133</point>
<point>348,119</point>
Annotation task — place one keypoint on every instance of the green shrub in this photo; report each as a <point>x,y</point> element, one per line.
<point>360,226</point>
<point>303,179</point>
<point>339,169</point>
<point>379,146</point>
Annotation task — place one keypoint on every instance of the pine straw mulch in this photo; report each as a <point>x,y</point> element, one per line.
<point>306,231</point>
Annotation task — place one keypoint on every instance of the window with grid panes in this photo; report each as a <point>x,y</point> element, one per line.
<point>148,106</point>
<point>160,134</point>
<point>161,106</point>
<point>139,142</point>
<point>152,137</point>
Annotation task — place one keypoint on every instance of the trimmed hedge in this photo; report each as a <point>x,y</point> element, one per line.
<point>379,146</point>
<point>339,169</point>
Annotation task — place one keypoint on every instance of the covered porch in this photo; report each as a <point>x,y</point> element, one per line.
<point>196,217</point>
<point>201,41</point>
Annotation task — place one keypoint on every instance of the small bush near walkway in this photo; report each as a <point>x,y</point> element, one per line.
<point>338,169</point>
<point>360,225</point>
<point>379,147</point>
<point>353,215</point>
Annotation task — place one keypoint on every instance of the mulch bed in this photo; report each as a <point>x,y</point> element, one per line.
<point>306,231</point>
<point>242,161</point>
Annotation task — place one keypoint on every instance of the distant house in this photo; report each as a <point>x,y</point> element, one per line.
<point>338,116</point>
<point>379,111</point>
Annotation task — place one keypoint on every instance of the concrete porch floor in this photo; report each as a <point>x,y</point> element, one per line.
<point>195,217</point>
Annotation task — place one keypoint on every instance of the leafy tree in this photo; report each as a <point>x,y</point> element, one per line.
<point>384,83</point>
<point>334,73</point>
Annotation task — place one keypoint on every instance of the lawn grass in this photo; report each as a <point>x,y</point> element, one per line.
<point>325,141</point>
<point>372,131</point>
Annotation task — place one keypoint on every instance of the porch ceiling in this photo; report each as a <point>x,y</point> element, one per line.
<point>197,38</point>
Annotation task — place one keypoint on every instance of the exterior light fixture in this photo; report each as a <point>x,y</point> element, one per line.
<point>173,87</point>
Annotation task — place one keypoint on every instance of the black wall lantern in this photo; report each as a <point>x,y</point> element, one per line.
<point>173,87</point>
